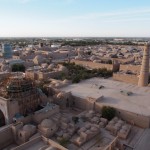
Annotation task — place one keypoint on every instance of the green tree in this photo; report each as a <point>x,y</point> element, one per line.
<point>108,112</point>
<point>18,68</point>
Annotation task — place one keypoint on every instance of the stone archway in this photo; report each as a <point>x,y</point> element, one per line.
<point>2,119</point>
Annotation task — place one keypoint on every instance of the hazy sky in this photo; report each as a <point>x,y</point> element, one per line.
<point>57,18</point>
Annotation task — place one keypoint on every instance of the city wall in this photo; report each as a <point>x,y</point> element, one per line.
<point>128,78</point>
<point>93,65</point>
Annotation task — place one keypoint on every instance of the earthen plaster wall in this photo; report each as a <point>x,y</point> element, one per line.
<point>133,79</point>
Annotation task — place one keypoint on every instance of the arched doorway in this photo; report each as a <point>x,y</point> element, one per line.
<point>2,119</point>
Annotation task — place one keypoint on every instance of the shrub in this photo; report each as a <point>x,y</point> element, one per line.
<point>108,112</point>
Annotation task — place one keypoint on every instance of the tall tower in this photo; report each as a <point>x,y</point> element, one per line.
<point>144,74</point>
<point>7,51</point>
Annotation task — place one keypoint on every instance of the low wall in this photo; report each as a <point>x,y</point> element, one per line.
<point>84,104</point>
<point>25,120</point>
<point>39,116</point>
<point>133,118</point>
<point>80,103</point>
<point>133,68</point>
<point>130,117</point>
<point>6,136</point>
<point>93,65</point>
<point>40,139</point>
<point>133,79</point>
<point>28,144</point>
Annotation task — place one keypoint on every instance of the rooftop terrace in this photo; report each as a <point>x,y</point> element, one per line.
<point>138,102</point>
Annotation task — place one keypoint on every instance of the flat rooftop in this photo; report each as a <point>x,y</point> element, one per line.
<point>138,102</point>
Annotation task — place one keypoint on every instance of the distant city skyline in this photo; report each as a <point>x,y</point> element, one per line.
<point>74,18</point>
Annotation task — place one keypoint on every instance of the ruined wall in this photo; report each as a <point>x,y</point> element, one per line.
<point>6,137</point>
<point>128,78</point>
<point>93,65</point>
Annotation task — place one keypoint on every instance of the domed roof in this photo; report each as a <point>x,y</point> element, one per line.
<point>38,57</point>
<point>120,121</point>
<point>44,65</point>
<point>57,84</point>
<point>87,126</point>
<point>122,131</point>
<point>66,135</point>
<point>29,128</point>
<point>93,57</point>
<point>115,119</point>
<point>51,66</point>
<point>112,122</point>
<point>4,61</point>
<point>91,112</point>
<point>66,81</point>
<point>125,127</point>
<point>118,124</point>
<point>95,119</point>
<point>78,57</point>
<point>116,127</point>
<point>62,68</point>
<point>60,95</point>
<point>101,123</point>
<point>83,129</point>
<point>96,61</point>
<point>94,129</point>
<point>88,132</point>
<point>47,123</point>
<point>89,115</point>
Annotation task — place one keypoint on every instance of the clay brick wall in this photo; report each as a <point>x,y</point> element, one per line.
<point>133,79</point>
<point>134,68</point>
<point>93,65</point>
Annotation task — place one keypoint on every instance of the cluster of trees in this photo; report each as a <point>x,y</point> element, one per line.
<point>82,43</point>
<point>108,112</point>
<point>76,73</point>
<point>97,42</point>
<point>18,68</point>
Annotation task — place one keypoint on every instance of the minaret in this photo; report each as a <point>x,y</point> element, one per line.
<point>144,73</point>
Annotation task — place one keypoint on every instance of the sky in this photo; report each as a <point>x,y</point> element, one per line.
<point>74,18</point>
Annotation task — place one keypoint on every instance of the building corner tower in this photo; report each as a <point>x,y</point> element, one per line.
<point>144,73</point>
